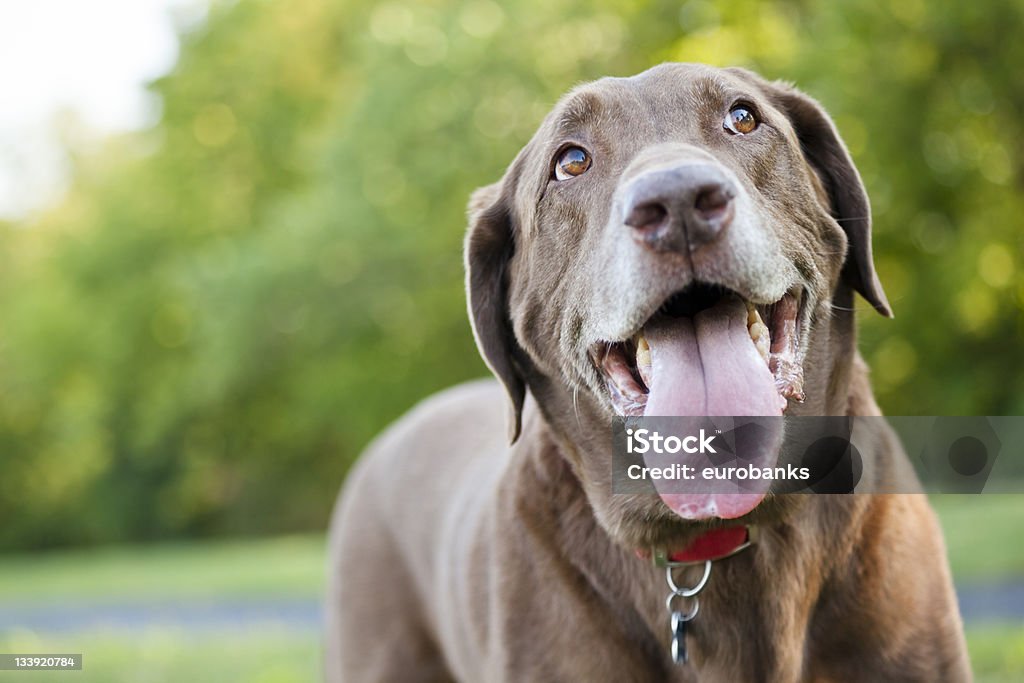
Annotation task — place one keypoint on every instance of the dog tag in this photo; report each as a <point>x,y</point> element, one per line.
<point>679,654</point>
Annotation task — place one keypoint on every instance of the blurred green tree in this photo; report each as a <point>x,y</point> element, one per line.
<point>225,308</point>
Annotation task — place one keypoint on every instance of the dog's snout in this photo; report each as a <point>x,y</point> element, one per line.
<point>682,207</point>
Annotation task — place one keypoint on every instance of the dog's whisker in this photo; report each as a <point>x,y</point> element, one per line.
<point>576,405</point>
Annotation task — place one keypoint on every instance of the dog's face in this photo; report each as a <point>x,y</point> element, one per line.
<point>671,244</point>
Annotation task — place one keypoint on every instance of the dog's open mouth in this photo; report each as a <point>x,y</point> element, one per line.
<point>708,351</point>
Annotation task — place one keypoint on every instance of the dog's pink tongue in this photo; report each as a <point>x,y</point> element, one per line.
<point>708,366</point>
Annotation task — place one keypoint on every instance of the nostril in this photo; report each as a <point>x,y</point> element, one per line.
<point>646,215</point>
<point>712,202</point>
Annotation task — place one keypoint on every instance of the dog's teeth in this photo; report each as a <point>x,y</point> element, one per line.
<point>643,359</point>
<point>759,333</point>
<point>643,352</point>
<point>762,342</point>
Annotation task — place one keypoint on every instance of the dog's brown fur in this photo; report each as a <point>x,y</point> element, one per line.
<point>456,557</point>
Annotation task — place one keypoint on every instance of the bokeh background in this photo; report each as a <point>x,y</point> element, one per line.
<point>200,334</point>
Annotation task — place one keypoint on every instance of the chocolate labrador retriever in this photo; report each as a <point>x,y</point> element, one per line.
<point>687,241</point>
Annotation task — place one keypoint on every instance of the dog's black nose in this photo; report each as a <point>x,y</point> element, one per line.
<point>681,207</point>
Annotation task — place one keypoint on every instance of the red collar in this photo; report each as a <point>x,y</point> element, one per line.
<point>712,545</point>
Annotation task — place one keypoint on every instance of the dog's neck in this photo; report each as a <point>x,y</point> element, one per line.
<point>552,507</point>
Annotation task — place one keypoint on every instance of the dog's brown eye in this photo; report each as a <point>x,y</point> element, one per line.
<point>572,162</point>
<point>740,121</point>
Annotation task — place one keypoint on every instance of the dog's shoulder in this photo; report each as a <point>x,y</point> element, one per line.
<point>465,419</point>
<point>444,416</point>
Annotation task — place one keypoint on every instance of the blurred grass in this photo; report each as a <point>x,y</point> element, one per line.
<point>159,654</point>
<point>997,652</point>
<point>284,567</point>
<point>289,566</point>
<point>166,654</point>
<point>983,536</point>
<point>978,529</point>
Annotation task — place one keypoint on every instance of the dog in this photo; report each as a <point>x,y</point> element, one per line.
<point>687,241</point>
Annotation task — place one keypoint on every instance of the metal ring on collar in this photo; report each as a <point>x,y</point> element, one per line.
<point>682,617</point>
<point>688,592</point>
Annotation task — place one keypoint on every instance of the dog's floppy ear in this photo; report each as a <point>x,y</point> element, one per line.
<point>827,154</point>
<point>489,247</point>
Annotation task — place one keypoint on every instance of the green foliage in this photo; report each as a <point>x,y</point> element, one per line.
<point>225,308</point>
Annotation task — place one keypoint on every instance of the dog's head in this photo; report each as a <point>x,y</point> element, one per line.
<point>682,242</point>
